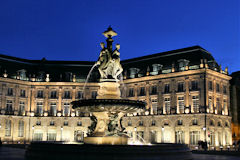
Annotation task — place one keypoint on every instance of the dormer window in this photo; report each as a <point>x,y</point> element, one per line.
<point>183,63</point>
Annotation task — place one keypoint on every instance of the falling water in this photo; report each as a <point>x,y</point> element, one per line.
<point>88,76</point>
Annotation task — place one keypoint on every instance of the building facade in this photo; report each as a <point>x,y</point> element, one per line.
<point>186,92</point>
<point>235,105</point>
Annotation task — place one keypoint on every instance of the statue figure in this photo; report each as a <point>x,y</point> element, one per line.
<point>109,63</point>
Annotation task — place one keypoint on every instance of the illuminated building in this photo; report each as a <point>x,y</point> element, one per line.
<point>186,91</point>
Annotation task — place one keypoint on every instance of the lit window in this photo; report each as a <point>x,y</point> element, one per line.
<point>53,109</point>
<point>181,104</point>
<point>195,101</point>
<point>66,109</point>
<point>39,111</point>
<point>20,128</point>
<point>21,108</point>
<point>167,105</point>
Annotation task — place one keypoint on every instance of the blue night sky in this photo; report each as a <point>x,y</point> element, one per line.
<point>72,29</point>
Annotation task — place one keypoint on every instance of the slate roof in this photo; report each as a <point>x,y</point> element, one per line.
<point>60,70</point>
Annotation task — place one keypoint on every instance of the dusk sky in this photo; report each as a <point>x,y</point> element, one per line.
<point>72,29</point>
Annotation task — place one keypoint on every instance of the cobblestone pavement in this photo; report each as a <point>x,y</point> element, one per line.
<point>214,157</point>
<point>7,153</point>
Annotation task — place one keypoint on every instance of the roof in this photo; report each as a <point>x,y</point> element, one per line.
<point>60,69</point>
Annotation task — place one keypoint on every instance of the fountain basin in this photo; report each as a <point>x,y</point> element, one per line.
<point>109,105</point>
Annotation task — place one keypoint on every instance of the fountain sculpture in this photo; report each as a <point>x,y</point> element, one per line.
<point>108,108</point>
<point>106,112</point>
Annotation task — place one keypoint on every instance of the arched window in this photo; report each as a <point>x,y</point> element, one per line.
<point>21,128</point>
<point>8,128</point>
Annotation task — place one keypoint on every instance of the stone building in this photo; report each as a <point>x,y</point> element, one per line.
<point>186,91</point>
<point>235,105</point>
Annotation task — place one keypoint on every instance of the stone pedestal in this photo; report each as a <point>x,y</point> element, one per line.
<point>109,90</point>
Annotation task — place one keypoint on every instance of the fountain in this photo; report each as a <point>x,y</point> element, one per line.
<point>108,108</point>
<point>107,138</point>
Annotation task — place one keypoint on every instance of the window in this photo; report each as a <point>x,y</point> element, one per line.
<point>211,123</point>
<point>166,88</point>
<point>219,124</point>
<point>153,123</point>
<point>51,136</point>
<point>22,93</point>
<point>212,139</point>
<point>194,85</point>
<point>39,111</point>
<point>152,136</point>
<point>195,101</point>
<point>66,94</point>
<point>8,128</point>
<point>79,123</point>
<point>94,94</point>
<point>142,91</point>
<point>141,123</point>
<point>217,87</point>
<point>219,110</point>
<point>179,137</point>
<point>40,94</point>
<point>52,123</point>
<point>180,122</point>
<point>65,123</point>
<point>195,122</point>
<point>9,107</point>
<point>21,108</point>
<point>225,107</point>
<point>153,90</point>
<point>224,89</point>
<point>154,106</point>
<point>131,92</point>
<point>53,109</point>
<point>210,85</point>
<point>226,124</point>
<point>181,104</point>
<point>38,136</point>
<point>79,95</point>
<point>129,123</point>
<point>210,106</point>
<point>38,123</point>
<point>53,94</point>
<point>20,128</point>
<point>167,105</point>
<point>66,109</point>
<point>10,92</point>
<point>180,87</point>
<point>194,137</point>
<point>140,136</point>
